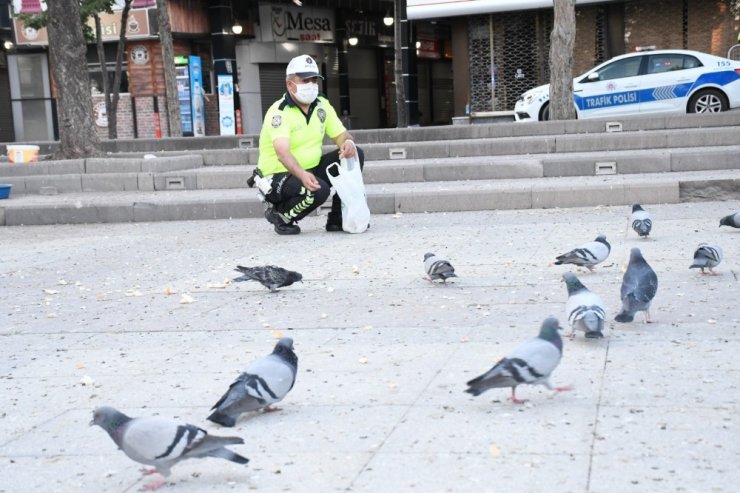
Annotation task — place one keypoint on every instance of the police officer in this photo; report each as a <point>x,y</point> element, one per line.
<point>291,171</point>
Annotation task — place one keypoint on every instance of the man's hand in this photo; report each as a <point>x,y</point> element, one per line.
<point>309,181</point>
<point>347,149</point>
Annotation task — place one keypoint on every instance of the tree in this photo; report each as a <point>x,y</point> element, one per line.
<point>111,101</point>
<point>168,61</point>
<point>562,42</point>
<point>67,48</point>
<point>92,8</point>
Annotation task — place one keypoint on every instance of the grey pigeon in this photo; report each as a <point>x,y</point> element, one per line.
<point>162,442</point>
<point>641,222</point>
<point>270,276</point>
<point>707,256</point>
<point>266,381</point>
<point>585,309</point>
<point>639,285</point>
<point>588,254</point>
<point>732,220</point>
<point>438,267</point>
<point>530,363</point>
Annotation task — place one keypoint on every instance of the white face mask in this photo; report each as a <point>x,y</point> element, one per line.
<point>306,93</point>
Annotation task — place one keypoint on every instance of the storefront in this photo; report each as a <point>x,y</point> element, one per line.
<point>506,43</point>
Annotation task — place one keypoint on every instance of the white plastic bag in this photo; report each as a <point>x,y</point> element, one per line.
<point>346,178</point>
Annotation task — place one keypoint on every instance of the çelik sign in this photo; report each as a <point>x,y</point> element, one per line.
<point>282,23</point>
<point>226,120</point>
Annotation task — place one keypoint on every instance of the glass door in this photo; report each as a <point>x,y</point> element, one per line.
<point>30,97</point>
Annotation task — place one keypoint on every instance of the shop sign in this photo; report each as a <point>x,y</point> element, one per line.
<point>282,23</point>
<point>137,27</point>
<point>428,48</point>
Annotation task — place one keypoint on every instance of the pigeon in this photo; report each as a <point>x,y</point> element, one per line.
<point>270,276</point>
<point>266,381</point>
<point>532,363</point>
<point>588,254</point>
<point>731,220</point>
<point>585,309</point>
<point>641,222</point>
<point>162,442</point>
<point>639,286</point>
<point>707,256</point>
<point>438,267</point>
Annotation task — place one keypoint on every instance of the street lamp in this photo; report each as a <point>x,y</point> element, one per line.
<point>236,28</point>
<point>388,19</point>
<point>353,41</point>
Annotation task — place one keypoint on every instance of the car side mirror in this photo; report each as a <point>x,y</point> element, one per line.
<point>593,77</point>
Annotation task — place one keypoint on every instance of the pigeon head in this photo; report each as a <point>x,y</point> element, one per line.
<point>572,283</point>
<point>549,331</point>
<point>636,256</point>
<point>294,277</point>
<point>637,207</point>
<point>427,255</point>
<point>284,349</point>
<point>108,418</point>
<point>727,221</point>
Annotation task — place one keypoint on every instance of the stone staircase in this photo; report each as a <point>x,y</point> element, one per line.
<point>433,169</point>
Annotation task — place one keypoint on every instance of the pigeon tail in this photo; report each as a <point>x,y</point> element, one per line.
<point>594,334</point>
<point>228,455</point>
<point>699,263</point>
<point>222,419</point>
<point>624,317</point>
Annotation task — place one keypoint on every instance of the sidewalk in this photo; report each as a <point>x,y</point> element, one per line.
<point>378,405</point>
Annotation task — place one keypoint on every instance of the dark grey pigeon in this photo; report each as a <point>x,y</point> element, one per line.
<point>162,442</point>
<point>639,285</point>
<point>270,276</point>
<point>732,220</point>
<point>641,222</point>
<point>530,363</point>
<point>585,309</point>
<point>267,381</point>
<point>438,267</point>
<point>707,256</point>
<point>588,254</point>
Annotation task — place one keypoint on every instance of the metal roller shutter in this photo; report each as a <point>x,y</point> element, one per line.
<point>272,83</point>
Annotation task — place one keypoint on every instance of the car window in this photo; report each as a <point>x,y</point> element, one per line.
<point>628,67</point>
<point>691,62</point>
<point>658,64</point>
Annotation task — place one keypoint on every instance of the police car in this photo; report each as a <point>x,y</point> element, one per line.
<point>647,82</point>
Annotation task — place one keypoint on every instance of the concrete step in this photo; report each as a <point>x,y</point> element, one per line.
<point>400,171</point>
<point>436,196</point>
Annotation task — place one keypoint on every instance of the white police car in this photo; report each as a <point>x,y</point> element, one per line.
<point>648,82</point>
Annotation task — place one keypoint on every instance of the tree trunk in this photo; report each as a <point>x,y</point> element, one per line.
<point>562,42</point>
<point>103,67</point>
<point>168,61</point>
<point>113,113</point>
<point>67,49</point>
<point>398,13</point>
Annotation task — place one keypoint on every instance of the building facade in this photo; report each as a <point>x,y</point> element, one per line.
<point>478,58</point>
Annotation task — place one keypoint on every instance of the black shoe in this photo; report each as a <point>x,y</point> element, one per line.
<point>281,227</point>
<point>334,222</point>
<point>287,229</point>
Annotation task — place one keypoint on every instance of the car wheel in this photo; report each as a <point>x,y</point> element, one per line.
<point>545,112</point>
<point>707,101</point>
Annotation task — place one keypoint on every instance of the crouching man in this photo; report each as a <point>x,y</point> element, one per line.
<point>291,171</point>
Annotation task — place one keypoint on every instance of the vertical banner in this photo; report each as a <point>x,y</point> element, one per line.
<point>226,104</point>
<point>196,96</point>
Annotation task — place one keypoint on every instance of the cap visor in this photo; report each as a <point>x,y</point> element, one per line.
<point>308,75</point>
